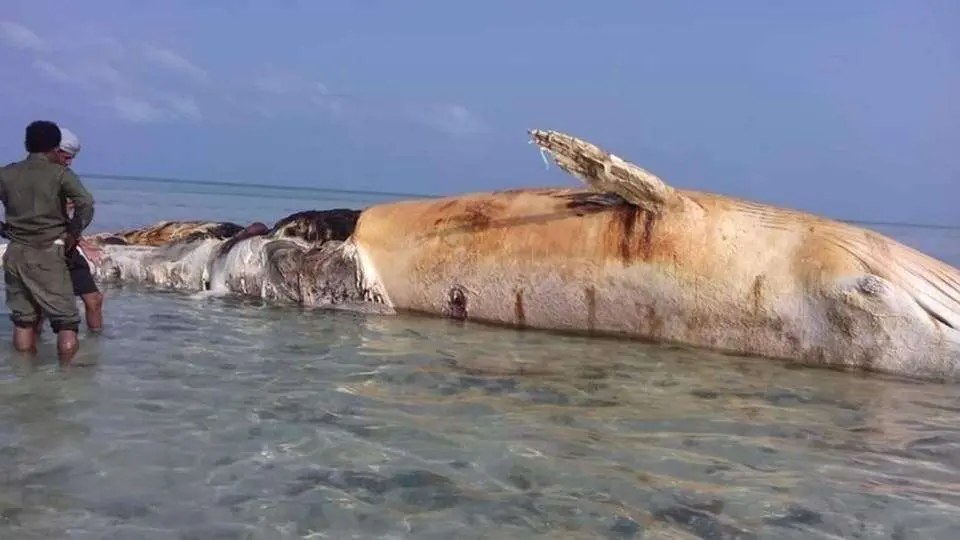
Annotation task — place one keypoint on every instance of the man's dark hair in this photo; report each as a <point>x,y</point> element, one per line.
<point>41,136</point>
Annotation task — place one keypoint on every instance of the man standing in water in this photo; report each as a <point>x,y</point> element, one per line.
<point>84,285</point>
<point>80,274</point>
<point>33,192</point>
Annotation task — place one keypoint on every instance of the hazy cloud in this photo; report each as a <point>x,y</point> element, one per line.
<point>174,62</point>
<point>166,109</point>
<point>21,37</point>
<point>52,72</point>
<point>101,70</point>
<point>182,107</point>
<point>279,94</point>
<point>454,120</point>
<point>136,110</point>
<point>96,71</point>
<point>91,76</point>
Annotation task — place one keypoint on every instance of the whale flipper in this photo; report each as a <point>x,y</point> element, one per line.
<point>604,172</point>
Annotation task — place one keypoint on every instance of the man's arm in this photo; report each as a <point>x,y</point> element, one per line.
<point>3,189</point>
<point>73,189</point>
<point>3,200</point>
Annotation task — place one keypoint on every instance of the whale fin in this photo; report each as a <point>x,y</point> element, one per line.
<point>603,171</point>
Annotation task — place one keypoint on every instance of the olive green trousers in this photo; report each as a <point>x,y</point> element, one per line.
<point>38,283</point>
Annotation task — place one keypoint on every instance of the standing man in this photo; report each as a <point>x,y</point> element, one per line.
<point>34,192</point>
<point>80,274</point>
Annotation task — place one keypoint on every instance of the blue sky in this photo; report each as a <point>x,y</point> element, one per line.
<point>846,108</point>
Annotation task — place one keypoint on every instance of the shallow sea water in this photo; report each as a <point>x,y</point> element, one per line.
<point>196,417</point>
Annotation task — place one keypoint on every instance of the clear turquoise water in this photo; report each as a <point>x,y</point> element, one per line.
<point>200,418</point>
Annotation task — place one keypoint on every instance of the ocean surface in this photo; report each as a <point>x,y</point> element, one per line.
<point>212,419</point>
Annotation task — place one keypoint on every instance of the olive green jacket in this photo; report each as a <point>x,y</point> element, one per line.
<point>34,192</point>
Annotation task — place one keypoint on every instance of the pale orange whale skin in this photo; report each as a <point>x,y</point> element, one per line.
<point>673,265</point>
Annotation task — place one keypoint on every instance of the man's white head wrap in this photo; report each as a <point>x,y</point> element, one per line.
<point>69,142</point>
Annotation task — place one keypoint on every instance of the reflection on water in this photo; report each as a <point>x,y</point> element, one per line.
<point>207,418</point>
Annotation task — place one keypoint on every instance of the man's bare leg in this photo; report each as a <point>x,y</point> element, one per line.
<point>93,306</point>
<point>67,345</point>
<point>25,339</point>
